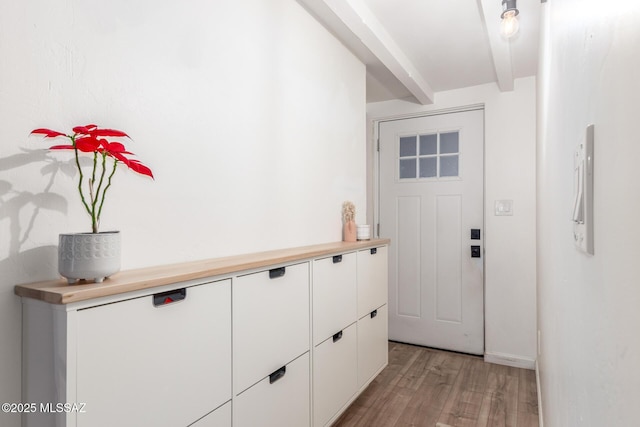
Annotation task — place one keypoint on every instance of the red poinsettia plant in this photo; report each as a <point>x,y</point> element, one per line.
<point>92,139</point>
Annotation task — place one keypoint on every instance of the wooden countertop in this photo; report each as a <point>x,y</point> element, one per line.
<point>60,292</point>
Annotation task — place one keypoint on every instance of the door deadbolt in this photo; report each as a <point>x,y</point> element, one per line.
<point>475,251</point>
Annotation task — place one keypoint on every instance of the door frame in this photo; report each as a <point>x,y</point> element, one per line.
<point>376,122</point>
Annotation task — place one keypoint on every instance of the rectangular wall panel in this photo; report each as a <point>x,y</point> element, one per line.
<point>409,254</point>
<point>448,261</point>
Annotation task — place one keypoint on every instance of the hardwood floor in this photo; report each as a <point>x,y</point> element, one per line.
<point>427,387</point>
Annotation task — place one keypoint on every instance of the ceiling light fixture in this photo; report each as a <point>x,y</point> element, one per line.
<point>509,25</point>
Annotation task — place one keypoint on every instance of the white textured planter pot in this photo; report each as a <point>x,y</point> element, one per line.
<point>89,256</point>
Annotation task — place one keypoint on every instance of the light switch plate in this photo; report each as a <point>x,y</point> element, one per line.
<point>583,193</point>
<point>504,208</point>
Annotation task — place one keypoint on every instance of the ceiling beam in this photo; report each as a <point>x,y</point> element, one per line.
<point>364,25</point>
<point>500,47</point>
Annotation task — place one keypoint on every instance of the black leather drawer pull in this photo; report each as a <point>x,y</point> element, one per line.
<point>276,272</point>
<point>374,251</point>
<point>337,259</point>
<point>277,375</point>
<point>374,313</point>
<point>165,298</point>
<point>337,337</point>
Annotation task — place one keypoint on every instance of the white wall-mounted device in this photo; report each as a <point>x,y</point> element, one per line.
<point>504,208</point>
<point>583,193</point>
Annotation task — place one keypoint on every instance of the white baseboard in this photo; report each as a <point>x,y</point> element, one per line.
<point>540,421</point>
<point>510,360</point>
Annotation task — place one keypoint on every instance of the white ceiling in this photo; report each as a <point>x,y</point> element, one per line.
<point>413,48</point>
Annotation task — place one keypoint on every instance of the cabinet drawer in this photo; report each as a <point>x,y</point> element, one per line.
<point>221,417</point>
<point>155,365</point>
<point>335,375</point>
<point>372,279</point>
<point>270,322</point>
<point>281,403</point>
<point>334,295</point>
<point>373,346</point>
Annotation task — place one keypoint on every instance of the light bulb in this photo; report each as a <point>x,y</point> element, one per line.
<point>509,25</point>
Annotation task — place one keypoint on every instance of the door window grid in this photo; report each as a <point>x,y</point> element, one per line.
<point>428,156</point>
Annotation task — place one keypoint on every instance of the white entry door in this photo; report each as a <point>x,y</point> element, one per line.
<point>431,183</point>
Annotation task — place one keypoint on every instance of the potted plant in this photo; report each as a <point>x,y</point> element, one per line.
<point>95,255</point>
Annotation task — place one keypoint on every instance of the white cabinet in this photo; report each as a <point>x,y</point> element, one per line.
<point>255,343</point>
<point>168,363</point>
<point>270,322</point>
<point>373,338</point>
<point>349,328</point>
<point>334,295</point>
<point>372,313</point>
<point>279,400</point>
<point>372,279</point>
<point>335,357</point>
<point>335,379</point>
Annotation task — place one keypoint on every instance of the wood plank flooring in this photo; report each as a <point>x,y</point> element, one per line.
<point>434,388</point>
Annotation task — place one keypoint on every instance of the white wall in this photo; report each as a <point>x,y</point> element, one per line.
<point>510,259</point>
<point>251,115</point>
<point>589,306</point>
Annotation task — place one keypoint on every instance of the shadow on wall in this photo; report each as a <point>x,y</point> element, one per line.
<point>32,265</point>
<point>26,202</point>
<point>16,205</point>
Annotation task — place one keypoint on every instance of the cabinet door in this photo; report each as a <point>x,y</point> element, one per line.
<point>334,295</point>
<point>335,374</point>
<point>144,365</point>
<point>373,347</point>
<point>372,279</point>
<point>221,417</point>
<point>270,322</point>
<point>279,401</point>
